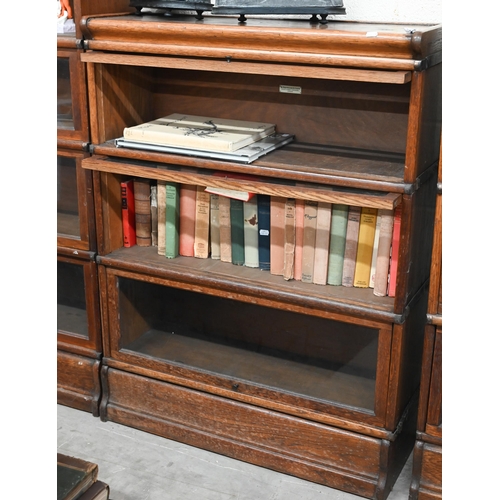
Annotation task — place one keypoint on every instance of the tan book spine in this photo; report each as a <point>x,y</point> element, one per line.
<point>322,243</point>
<point>214,227</point>
<point>299,239</point>
<point>309,242</point>
<point>366,235</point>
<point>384,253</point>
<point>202,224</point>
<point>289,248</point>
<point>142,201</point>
<point>277,236</point>
<point>225,228</point>
<point>351,245</point>
<point>162,212</point>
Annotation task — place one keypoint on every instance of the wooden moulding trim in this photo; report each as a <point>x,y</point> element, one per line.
<point>378,200</point>
<point>68,42</point>
<point>435,319</point>
<point>264,168</point>
<point>71,348</point>
<point>260,293</point>
<point>340,423</point>
<point>73,253</point>
<point>285,38</point>
<point>237,63</point>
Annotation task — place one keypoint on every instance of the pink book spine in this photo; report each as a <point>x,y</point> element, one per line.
<point>396,235</point>
<point>299,238</point>
<point>277,236</point>
<point>187,217</point>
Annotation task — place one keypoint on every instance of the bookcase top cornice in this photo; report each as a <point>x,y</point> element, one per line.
<point>344,44</point>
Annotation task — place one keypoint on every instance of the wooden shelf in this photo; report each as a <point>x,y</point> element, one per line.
<point>253,285</point>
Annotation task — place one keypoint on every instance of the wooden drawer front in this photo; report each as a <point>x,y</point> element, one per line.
<point>78,383</point>
<point>315,452</point>
<point>75,202</point>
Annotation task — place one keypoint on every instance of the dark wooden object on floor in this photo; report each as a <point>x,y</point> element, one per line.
<point>320,382</point>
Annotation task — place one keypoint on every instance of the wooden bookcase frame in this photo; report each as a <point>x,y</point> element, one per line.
<point>79,355</point>
<point>84,223</point>
<point>427,455</point>
<point>380,93</point>
<point>78,358</point>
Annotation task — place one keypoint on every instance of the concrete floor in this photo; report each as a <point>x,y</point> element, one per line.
<point>140,466</point>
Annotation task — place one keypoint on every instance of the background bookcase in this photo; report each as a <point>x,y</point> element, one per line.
<point>427,455</point>
<point>78,326</point>
<point>316,381</point>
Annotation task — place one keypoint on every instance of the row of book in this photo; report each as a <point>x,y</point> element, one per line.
<point>314,242</point>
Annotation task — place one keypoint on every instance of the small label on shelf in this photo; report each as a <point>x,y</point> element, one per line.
<point>290,89</point>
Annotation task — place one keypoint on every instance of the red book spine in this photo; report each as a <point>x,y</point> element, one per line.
<point>128,213</point>
<point>396,235</point>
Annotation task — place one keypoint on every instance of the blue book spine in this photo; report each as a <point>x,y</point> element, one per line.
<point>264,218</point>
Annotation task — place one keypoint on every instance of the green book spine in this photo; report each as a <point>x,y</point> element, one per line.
<point>172,220</point>
<point>237,232</point>
<point>337,244</point>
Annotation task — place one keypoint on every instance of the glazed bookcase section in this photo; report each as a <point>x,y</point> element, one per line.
<point>72,107</point>
<point>366,163</point>
<point>266,356</point>
<point>79,346</point>
<point>78,320</point>
<point>75,202</point>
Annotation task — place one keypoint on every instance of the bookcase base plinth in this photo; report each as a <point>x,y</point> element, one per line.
<point>337,458</point>
<point>427,472</point>
<point>78,384</point>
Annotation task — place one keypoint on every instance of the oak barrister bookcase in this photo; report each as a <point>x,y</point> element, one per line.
<point>320,382</point>
<point>79,347</point>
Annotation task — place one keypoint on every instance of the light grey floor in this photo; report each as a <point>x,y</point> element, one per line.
<point>140,466</point>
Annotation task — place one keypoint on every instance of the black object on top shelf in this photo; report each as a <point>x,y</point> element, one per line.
<point>314,7</point>
<point>166,6</point>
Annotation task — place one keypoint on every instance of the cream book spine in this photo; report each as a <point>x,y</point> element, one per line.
<point>162,211</point>
<point>309,241</point>
<point>351,245</point>
<point>322,243</point>
<point>251,232</point>
<point>289,246</point>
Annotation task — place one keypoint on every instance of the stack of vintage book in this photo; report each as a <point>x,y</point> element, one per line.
<point>77,480</point>
<point>234,140</point>
<point>314,242</point>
